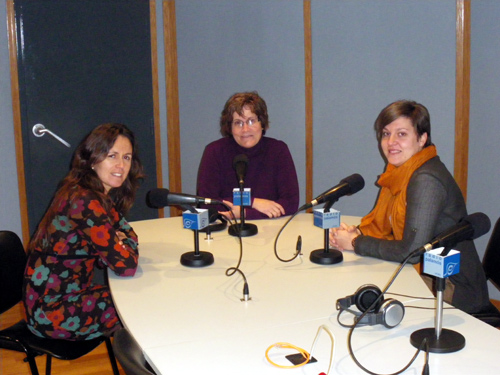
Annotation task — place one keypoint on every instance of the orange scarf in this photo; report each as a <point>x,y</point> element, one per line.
<point>387,219</point>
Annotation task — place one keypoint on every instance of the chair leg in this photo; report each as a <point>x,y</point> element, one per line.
<point>31,361</point>
<point>48,366</point>
<point>111,355</point>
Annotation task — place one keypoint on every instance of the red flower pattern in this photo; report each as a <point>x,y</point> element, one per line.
<point>91,240</point>
<point>100,235</point>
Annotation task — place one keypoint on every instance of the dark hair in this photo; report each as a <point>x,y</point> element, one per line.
<point>236,103</point>
<point>92,150</point>
<point>415,112</point>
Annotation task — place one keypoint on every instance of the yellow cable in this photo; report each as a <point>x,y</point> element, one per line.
<point>286,345</point>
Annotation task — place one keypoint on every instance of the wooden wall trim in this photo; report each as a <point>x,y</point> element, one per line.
<point>462,94</point>
<point>16,112</point>
<point>156,96</point>
<point>308,99</point>
<point>172,83</point>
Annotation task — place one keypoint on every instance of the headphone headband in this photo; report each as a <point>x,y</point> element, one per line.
<point>388,312</point>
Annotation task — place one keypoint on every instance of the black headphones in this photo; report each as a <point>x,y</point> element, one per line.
<point>217,222</point>
<point>388,312</point>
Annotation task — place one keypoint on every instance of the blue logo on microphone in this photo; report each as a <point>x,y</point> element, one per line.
<point>195,220</point>
<point>326,220</point>
<point>189,223</point>
<point>247,197</point>
<point>451,268</point>
<point>441,266</point>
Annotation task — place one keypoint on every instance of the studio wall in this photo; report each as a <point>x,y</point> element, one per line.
<point>484,178</point>
<point>232,46</point>
<point>365,54</point>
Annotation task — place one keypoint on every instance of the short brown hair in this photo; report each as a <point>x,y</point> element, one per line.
<point>236,103</point>
<point>415,112</point>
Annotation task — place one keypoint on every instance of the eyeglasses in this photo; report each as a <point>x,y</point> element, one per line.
<point>250,122</point>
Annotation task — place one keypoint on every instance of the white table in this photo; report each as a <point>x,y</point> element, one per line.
<point>192,320</point>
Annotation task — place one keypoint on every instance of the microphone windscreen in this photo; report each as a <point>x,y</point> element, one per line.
<point>157,198</point>
<point>355,182</point>
<point>241,158</point>
<point>480,222</point>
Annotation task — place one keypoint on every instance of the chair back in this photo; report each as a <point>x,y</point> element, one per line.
<point>129,354</point>
<point>12,263</point>
<point>491,259</point>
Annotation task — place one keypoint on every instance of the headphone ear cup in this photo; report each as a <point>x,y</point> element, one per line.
<point>217,222</point>
<point>391,313</point>
<point>215,226</point>
<point>365,296</point>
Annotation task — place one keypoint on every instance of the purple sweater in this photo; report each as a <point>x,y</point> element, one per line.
<point>270,175</point>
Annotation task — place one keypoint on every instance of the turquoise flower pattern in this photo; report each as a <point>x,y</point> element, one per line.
<point>61,298</point>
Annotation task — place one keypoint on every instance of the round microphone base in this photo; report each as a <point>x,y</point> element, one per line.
<point>246,230</point>
<point>449,341</point>
<point>200,259</point>
<point>321,256</point>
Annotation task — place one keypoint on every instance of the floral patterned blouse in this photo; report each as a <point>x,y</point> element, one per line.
<point>60,298</point>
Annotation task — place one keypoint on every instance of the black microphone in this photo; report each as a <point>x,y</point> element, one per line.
<point>468,228</point>
<point>158,198</point>
<point>347,186</point>
<point>240,165</point>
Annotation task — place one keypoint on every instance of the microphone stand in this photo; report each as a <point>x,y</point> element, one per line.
<point>243,229</point>
<point>325,256</point>
<point>440,340</point>
<point>196,258</point>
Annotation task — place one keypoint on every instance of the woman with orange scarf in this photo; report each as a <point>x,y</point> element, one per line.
<point>418,199</point>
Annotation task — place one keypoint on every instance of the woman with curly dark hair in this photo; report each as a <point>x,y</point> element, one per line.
<point>84,229</point>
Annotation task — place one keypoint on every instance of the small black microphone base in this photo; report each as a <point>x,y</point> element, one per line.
<point>321,256</point>
<point>448,342</point>
<point>197,259</point>
<point>326,255</point>
<point>440,340</point>
<point>243,230</point>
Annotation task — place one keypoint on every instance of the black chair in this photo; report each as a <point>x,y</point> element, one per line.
<point>491,266</point>
<point>18,337</point>
<point>130,355</point>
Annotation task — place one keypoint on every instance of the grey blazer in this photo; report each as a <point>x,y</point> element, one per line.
<point>434,203</point>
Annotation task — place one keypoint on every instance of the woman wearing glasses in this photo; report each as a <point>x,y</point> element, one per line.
<point>270,175</point>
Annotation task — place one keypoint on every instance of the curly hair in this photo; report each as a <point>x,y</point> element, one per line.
<point>92,150</point>
<point>236,103</point>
